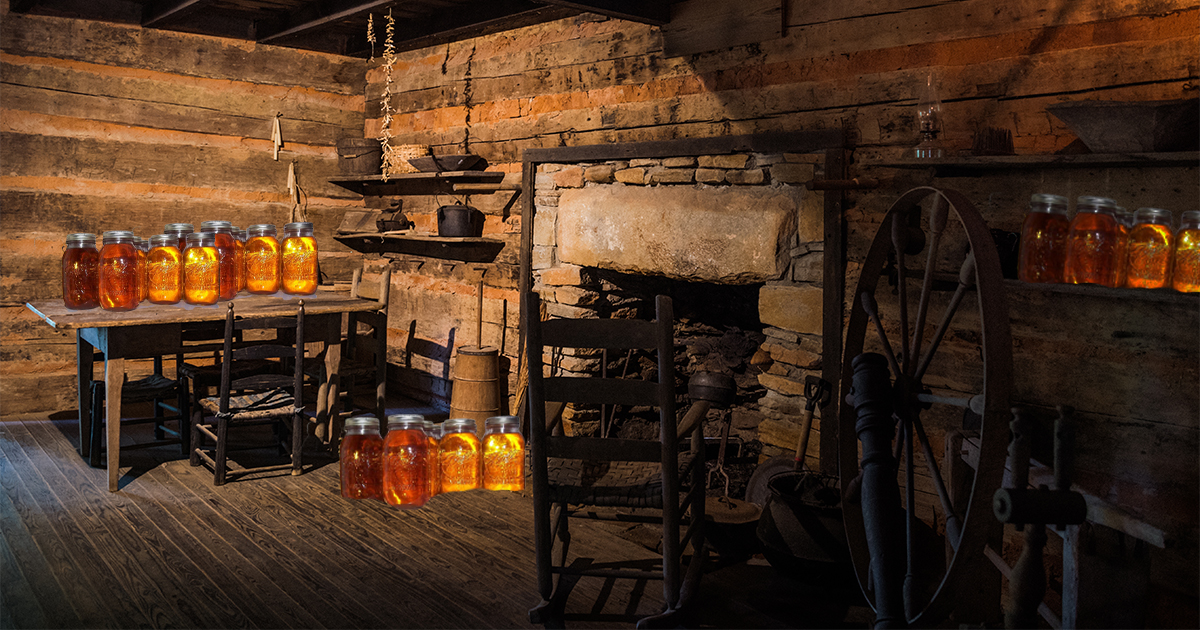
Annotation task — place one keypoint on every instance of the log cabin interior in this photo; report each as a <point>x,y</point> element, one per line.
<point>770,165</point>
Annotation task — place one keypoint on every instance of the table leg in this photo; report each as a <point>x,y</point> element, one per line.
<point>84,361</point>
<point>333,362</point>
<point>114,382</point>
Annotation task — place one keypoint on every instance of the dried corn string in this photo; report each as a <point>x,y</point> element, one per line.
<point>390,159</point>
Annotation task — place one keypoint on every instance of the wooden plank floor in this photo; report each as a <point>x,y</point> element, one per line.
<point>275,551</point>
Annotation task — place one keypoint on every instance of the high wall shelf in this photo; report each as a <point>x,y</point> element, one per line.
<point>406,242</point>
<point>976,166</point>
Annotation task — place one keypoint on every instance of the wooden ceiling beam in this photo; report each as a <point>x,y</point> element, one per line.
<point>334,12</point>
<point>156,13</point>
<point>656,12</point>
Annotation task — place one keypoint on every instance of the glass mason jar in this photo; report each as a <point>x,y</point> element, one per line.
<point>180,232</point>
<point>1124,225</point>
<point>503,454</point>
<point>239,247</point>
<point>1149,250</point>
<point>362,459</point>
<point>118,272</point>
<point>405,464</point>
<point>81,272</point>
<point>459,455</point>
<point>1186,276</point>
<point>1092,243</point>
<point>262,259</point>
<point>143,251</point>
<point>201,269</point>
<point>433,435</point>
<point>164,270</point>
<point>1044,239</point>
<point>222,232</point>
<point>299,259</point>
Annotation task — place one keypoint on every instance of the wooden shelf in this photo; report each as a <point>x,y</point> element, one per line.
<point>422,183</point>
<point>463,248</point>
<point>973,166</point>
<point>1168,296</point>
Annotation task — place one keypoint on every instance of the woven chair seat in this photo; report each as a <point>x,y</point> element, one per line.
<point>153,387</point>
<point>271,404</point>
<point>608,483</point>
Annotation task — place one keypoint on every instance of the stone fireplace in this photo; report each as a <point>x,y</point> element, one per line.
<point>736,240</point>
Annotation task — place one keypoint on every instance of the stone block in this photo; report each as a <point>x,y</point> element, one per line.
<point>543,181</point>
<point>566,311</point>
<point>671,175</point>
<point>811,222</point>
<point>543,227</point>
<point>710,176</point>
<point>563,275</point>
<point>792,354</point>
<point>640,162</point>
<point>569,177</point>
<point>549,200</point>
<point>576,296</point>
<point>808,268</point>
<point>601,174</point>
<point>748,177</point>
<point>543,256</point>
<point>679,162</point>
<point>785,434</point>
<point>724,161</point>
<point>729,235</point>
<point>782,384</point>
<point>792,307</point>
<point>635,176</point>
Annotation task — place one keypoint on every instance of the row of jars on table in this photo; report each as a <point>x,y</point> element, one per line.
<point>418,459</point>
<point>1106,245</point>
<point>215,263</point>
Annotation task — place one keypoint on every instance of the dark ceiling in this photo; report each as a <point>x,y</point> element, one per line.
<point>340,26</point>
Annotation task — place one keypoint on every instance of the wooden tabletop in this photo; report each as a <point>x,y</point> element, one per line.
<point>323,301</point>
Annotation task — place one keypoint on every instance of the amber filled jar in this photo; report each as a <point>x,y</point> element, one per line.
<point>239,247</point>
<point>1124,225</point>
<point>405,462</point>
<point>81,272</point>
<point>503,454</point>
<point>459,455</point>
<point>1044,239</point>
<point>299,256</point>
<point>201,269</point>
<point>1093,243</point>
<point>433,435</point>
<point>165,270</point>
<point>143,251</point>
<point>223,240</point>
<point>362,459</point>
<point>180,231</point>
<point>262,259</point>
<point>1186,260</point>
<point>1149,251</point>
<point>119,272</point>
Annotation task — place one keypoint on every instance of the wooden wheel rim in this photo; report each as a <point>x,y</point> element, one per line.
<point>996,344</point>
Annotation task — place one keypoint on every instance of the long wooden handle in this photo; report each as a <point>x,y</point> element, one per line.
<point>806,417</point>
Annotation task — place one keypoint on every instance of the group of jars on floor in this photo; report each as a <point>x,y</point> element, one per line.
<point>1106,245</point>
<point>215,263</point>
<point>418,459</point>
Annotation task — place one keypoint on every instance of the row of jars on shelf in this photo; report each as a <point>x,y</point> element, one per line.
<point>1106,245</point>
<point>215,263</point>
<point>419,459</point>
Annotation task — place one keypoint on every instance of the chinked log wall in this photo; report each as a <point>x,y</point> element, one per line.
<point>855,65</point>
<point>110,127</point>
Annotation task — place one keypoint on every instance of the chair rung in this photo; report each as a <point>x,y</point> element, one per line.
<point>618,518</point>
<point>206,457</point>
<point>203,428</point>
<point>631,574</point>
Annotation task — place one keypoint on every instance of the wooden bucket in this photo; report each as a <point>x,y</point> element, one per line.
<point>476,387</point>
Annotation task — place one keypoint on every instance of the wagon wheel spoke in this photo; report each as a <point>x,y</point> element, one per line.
<point>953,523</point>
<point>900,240</point>
<point>966,280</point>
<point>872,311</point>
<point>937,223</point>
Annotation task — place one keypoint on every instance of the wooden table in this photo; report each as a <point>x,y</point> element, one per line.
<point>155,330</point>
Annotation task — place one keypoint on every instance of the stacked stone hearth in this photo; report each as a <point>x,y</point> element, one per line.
<point>735,240</point>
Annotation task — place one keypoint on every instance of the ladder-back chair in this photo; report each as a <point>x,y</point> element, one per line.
<point>571,471</point>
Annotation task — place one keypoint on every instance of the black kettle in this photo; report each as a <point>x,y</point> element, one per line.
<point>459,220</point>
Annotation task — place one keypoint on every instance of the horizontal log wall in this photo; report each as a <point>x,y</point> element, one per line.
<point>110,127</point>
<point>856,66</point>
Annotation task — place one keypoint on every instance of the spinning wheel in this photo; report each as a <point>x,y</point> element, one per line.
<point>923,378</point>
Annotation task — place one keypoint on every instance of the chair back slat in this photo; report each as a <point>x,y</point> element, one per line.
<point>261,382</point>
<point>232,354</point>
<point>603,449</point>
<point>601,391</point>
<point>263,323</point>
<point>263,352</point>
<point>619,334</point>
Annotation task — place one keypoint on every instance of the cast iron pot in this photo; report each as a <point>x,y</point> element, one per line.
<point>459,220</point>
<point>801,530</point>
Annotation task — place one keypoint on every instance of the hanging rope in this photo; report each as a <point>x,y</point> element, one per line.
<point>277,136</point>
<point>299,209</point>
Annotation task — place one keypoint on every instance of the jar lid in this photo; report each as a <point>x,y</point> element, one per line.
<point>405,421</point>
<point>433,429</point>
<point>502,423</point>
<point>201,239</point>
<point>216,225</point>
<point>458,425</point>
<point>368,422</point>
<point>301,225</point>
<point>1154,215</point>
<point>1189,220</point>
<point>186,228</point>
<point>1095,204</point>
<point>163,240</point>
<point>81,237</point>
<point>1056,204</point>
<point>118,235</point>
<point>261,229</point>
